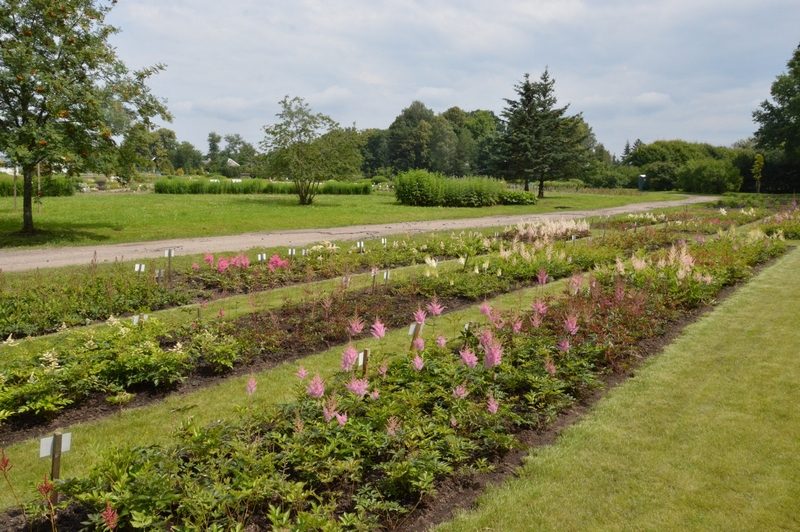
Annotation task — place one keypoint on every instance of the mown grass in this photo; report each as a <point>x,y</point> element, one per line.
<point>705,436</point>
<point>130,217</point>
<point>156,423</point>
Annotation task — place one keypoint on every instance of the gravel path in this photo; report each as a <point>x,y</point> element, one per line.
<point>29,259</point>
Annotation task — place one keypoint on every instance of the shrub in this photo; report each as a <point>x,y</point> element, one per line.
<point>423,188</point>
<point>709,176</point>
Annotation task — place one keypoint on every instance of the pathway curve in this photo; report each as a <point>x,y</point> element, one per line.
<point>29,259</point>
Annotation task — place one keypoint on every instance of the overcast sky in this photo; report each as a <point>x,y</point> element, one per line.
<point>690,69</point>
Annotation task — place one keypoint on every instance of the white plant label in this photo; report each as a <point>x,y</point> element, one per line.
<point>361,359</point>
<point>46,445</point>
<point>169,252</point>
<point>411,328</point>
<point>138,268</point>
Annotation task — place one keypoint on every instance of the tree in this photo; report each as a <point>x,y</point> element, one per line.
<point>58,76</point>
<point>780,119</point>
<point>308,147</point>
<point>187,157</point>
<point>540,139</point>
<point>409,137</point>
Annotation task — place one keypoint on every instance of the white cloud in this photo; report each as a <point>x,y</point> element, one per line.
<point>635,69</point>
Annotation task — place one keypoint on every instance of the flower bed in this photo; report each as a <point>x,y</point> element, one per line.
<point>359,452</point>
<point>122,359</point>
<point>785,222</point>
<point>697,219</point>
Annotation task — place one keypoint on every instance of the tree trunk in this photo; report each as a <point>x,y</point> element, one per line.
<point>527,186</point>
<point>27,199</point>
<point>541,189</point>
<point>758,186</point>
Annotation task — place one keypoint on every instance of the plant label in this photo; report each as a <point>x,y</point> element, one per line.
<point>46,445</point>
<point>261,257</point>
<point>138,268</point>
<point>466,326</point>
<point>304,252</point>
<point>384,242</point>
<point>414,326</point>
<point>360,359</point>
<point>386,275</point>
<point>135,319</point>
<point>292,252</point>
<point>159,274</point>
<point>169,253</point>
<point>573,238</point>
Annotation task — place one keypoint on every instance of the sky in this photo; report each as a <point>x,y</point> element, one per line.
<point>689,69</point>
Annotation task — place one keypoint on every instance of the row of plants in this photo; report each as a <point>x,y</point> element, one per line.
<point>179,185</point>
<point>48,186</point>
<point>428,189</point>
<point>694,220</point>
<point>117,363</point>
<point>359,451</point>
<point>37,304</point>
<point>785,223</point>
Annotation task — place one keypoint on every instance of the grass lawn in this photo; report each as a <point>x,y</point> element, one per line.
<point>705,436</point>
<point>155,423</point>
<point>110,218</point>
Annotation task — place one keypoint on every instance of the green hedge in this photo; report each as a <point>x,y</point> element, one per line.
<point>182,185</point>
<point>51,186</point>
<point>423,188</point>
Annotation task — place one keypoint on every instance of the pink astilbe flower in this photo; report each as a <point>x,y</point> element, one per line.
<point>375,394</point>
<point>542,277</point>
<point>358,387</point>
<point>355,326</point>
<point>384,367</point>
<point>221,313</point>
<point>493,356</point>
<point>378,329</point>
<point>208,258</point>
<point>301,373</point>
<point>341,418</point>
<point>417,363</point>
<point>418,344</point>
<point>486,309</point>
<point>575,283</point>
<point>435,308</point>
<point>460,391</point>
<point>468,357</point>
<point>329,409</point>
<point>251,385</point>
<point>564,345</point>
<point>420,315</point>
<point>441,341</point>
<point>277,263</point>
<point>453,422</point>
<point>571,324</point>
<point>549,366</point>
<point>516,325</point>
<point>492,405</point>
<point>316,388</point>
<point>536,320</point>
<point>244,261</point>
<point>195,266</point>
<point>110,517</point>
<point>349,357</point>
<point>485,337</point>
<point>222,265</point>
<point>392,425</point>
<point>539,307</point>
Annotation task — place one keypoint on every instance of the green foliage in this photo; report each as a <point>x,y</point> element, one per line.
<point>779,119</point>
<point>51,186</point>
<point>59,82</point>
<point>308,147</point>
<point>709,176</point>
<point>540,140</point>
<point>179,185</point>
<point>423,188</point>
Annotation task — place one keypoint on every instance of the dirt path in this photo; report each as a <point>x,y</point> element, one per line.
<point>29,259</point>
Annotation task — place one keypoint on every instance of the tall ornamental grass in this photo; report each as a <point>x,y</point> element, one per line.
<point>427,189</point>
